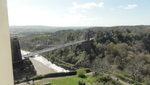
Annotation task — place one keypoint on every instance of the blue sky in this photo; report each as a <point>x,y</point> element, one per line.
<point>79,12</point>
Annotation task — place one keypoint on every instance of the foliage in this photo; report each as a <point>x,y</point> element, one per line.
<point>147,80</point>
<point>87,70</point>
<point>126,79</point>
<point>73,80</point>
<point>104,79</point>
<point>37,77</point>
<point>60,74</point>
<point>81,72</point>
<point>122,49</point>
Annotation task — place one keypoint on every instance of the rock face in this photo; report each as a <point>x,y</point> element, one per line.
<point>23,69</point>
<point>15,50</point>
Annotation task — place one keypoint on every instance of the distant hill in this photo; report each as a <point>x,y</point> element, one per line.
<point>34,29</point>
<point>25,30</point>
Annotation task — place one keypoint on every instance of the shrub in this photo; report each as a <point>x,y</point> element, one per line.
<point>87,70</point>
<point>103,79</point>
<point>60,74</point>
<point>81,72</point>
<point>106,80</point>
<point>147,80</point>
<point>116,82</point>
<point>126,79</point>
<point>138,83</point>
<point>37,77</point>
<point>96,74</point>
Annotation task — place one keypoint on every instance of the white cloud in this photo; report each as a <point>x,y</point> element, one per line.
<point>86,5</point>
<point>129,6</point>
<point>24,15</point>
<point>101,4</point>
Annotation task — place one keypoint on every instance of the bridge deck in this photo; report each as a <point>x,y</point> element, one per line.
<point>54,48</point>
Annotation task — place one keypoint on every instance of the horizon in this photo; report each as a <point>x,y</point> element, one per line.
<point>74,26</point>
<point>66,13</point>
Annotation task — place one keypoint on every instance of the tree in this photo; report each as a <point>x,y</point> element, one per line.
<point>134,66</point>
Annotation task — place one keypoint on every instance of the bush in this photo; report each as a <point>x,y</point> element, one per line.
<point>37,77</point>
<point>126,79</point>
<point>87,70</point>
<point>138,83</point>
<point>103,79</point>
<point>60,74</point>
<point>95,74</point>
<point>129,80</point>
<point>116,82</point>
<point>106,80</point>
<point>147,80</point>
<point>81,72</point>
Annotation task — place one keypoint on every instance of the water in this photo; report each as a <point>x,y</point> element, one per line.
<point>46,62</point>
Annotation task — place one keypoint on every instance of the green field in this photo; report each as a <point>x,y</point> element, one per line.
<point>71,80</point>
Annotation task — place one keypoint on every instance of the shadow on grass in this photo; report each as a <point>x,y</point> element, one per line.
<point>83,76</point>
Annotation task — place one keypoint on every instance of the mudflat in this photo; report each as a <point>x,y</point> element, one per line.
<point>41,68</point>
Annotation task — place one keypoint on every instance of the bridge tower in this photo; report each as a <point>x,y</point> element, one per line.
<point>15,50</point>
<point>87,35</point>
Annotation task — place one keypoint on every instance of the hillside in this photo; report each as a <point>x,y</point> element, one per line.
<point>122,50</point>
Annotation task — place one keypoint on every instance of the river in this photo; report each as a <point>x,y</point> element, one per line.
<point>43,66</point>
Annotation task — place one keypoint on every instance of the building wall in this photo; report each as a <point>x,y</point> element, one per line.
<point>6,73</point>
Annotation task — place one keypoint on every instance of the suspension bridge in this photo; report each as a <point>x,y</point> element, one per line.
<point>39,66</point>
<point>86,35</point>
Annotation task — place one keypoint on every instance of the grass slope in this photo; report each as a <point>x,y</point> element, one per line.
<point>71,80</point>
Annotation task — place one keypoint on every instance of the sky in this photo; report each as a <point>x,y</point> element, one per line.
<point>78,12</point>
